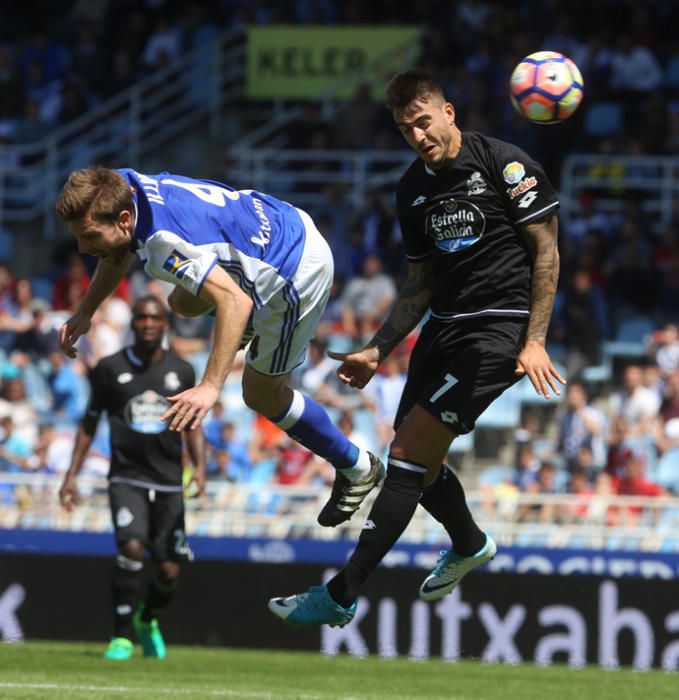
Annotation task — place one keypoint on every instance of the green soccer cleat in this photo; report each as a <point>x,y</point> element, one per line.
<point>119,649</point>
<point>315,607</point>
<point>451,569</point>
<point>150,637</point>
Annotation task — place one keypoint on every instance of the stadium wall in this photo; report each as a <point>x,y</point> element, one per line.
<point>497,617</point>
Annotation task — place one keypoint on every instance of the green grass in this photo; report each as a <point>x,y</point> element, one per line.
<point>57,670</point>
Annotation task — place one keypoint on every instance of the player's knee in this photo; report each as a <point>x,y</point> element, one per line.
<point>185,304</point>
<point>267,399</point>
<point>132,549</point>
<point>167,571</point>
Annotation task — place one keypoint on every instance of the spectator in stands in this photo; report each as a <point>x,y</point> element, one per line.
<point>581,425</point>
<point>41,335</point>
<point>633,482</point>
<point>386,391</point>
<point>68,385</point>
<point>76,275</point>
<point>15,450</point>
<point>367,299</point>
<point>665,346</point>
<point>13,402</point>
<point>637,404</point>
<point>355,121</point>
<point>296,465</point>
<point>543,483</point>
<point>526,466</point>
<point>582,323</point>
<point>231,459</point>
<point>212,427</point>
<point>317,370</point>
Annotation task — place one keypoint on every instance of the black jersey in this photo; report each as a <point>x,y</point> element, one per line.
<point>133,394</point>
<point>469,216</point>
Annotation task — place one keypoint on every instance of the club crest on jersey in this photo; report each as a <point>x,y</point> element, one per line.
<point>454,224</point>
<point>171,381</point>
<point>176,264</point>
<point>526,184</point>
<point>513,172</point>
<point>476,184</point>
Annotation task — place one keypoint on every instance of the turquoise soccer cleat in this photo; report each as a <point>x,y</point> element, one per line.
<point>119,649</point>
<point>451,569</point>
<point>315,607</point>
<point>150,637</point>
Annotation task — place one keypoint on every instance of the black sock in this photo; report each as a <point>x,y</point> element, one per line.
<point>445,500</point>
<point>158,597</point>
<point>126,584</point>
<point>391,512</point>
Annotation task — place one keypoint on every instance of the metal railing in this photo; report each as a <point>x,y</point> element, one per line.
<point>239,510</point>
<point>614,180</point>
<point>124,128</point>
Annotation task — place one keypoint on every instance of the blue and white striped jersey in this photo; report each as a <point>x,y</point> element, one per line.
<point>184,227</point>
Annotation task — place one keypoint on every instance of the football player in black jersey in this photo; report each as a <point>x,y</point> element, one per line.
<point>480,231</point>
<point>145,477</point>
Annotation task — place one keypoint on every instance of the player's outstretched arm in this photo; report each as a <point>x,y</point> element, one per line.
<point>357,368</point>
<point>68,493</point>
<point>541,237</point>
<point>232,311</point>
<point>104,281</point>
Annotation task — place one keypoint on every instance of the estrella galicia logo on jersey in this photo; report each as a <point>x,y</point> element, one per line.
<point>143,413</point>
<point>526,184</point>
<point>476,184</point>
<point>513,172</point>
<point>454,224</point>
<point>176,264</point>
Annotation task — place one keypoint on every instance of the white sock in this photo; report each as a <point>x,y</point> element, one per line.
<point>360,470</point>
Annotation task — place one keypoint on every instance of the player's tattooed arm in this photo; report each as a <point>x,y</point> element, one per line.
<point>410,306</point>
<point>541,237</point>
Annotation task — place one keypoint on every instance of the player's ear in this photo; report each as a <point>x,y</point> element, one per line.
<point>450,112</point>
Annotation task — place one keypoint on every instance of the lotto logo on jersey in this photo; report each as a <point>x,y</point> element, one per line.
<point>454,224</point>
<point>176,264</point>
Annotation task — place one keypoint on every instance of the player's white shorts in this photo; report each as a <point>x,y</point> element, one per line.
<point>288,321</point>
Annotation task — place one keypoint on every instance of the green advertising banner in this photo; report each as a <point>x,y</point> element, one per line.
<point>308,62</point>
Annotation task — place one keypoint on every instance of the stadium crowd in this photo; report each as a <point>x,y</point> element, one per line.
<point>619,278</point>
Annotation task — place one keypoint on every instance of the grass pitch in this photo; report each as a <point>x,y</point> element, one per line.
<point>58,670</point>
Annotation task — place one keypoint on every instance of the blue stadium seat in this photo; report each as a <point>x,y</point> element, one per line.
<point>635,329</point>
<point>495,475</point>
<point>672,72</point>
<point>667,472</point>
<point>503,413</point>
<point>603,119</point>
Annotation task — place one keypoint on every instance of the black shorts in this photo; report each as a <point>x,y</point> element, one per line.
<point>458,369</point>
<point>156,518</point>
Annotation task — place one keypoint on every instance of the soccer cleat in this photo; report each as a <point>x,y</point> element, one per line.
<point>315,607</point>
<point>346,496</point>
<point>119,649</point>
<point>451,569</point>
<point>150,637</point>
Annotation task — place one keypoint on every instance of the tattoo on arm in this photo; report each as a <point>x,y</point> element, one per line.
<point>412,303</point>
<point>541,237</point>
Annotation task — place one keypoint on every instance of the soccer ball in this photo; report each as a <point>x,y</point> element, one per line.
<point>546,87</point>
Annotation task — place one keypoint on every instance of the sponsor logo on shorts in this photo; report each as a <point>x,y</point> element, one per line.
<point>125,378</point>
<point>513,172</point>
<point>449,417</point>
<point>526,184</point>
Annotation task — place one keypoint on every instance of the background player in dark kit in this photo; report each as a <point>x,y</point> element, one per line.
<point>145,477</point>
<point>480,231</point>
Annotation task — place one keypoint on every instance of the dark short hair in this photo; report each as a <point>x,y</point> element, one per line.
<point>410,85</point>
<point>149,299</point>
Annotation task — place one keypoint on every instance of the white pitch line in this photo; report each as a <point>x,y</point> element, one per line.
<point>164,691</point>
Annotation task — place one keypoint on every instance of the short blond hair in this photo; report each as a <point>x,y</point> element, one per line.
<point>100,192</point>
